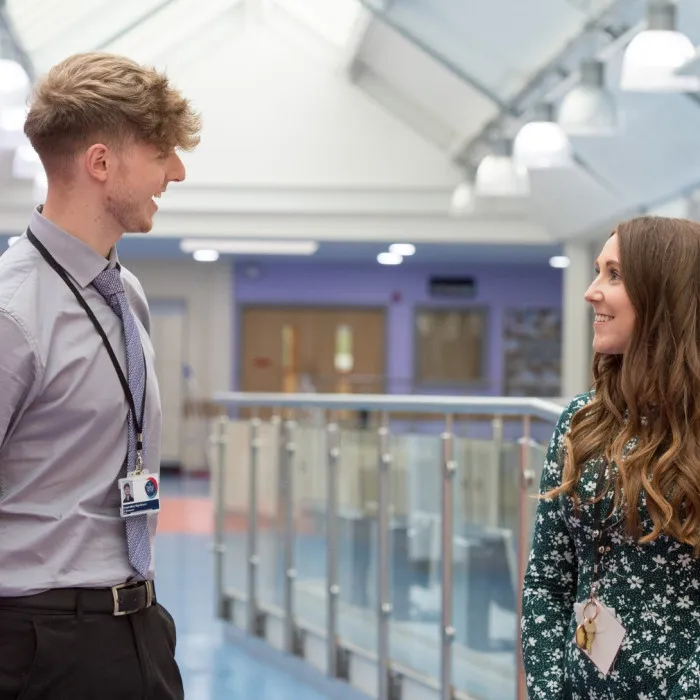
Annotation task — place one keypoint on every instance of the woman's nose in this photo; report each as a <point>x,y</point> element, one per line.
<point>593,293</point>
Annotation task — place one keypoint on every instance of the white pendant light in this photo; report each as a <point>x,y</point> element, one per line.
<point>542,143</point>
<point>14,84</point>
<point>654,55</point>
<point>462,202</point>
<point>499,176</point>
<point>589,109</point>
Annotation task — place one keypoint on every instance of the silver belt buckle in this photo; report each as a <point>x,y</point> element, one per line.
<point>132,584</point>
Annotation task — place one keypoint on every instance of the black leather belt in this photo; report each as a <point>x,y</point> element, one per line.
<point>122,599</point>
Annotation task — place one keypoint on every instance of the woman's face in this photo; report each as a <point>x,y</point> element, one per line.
<point>614,315</point>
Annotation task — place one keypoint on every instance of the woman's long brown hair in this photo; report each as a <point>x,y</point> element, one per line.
<point>652,392</point>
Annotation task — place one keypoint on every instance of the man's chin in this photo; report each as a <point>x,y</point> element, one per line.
<point>142,227</point>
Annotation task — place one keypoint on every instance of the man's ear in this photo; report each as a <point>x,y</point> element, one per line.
<point>98,161</point>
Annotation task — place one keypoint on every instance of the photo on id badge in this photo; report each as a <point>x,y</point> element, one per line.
<point>139,494</point>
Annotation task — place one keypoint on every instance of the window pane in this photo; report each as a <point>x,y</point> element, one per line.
<point>532,341</point>
<point>450,345</point>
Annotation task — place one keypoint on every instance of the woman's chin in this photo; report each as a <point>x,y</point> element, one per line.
<point>603,348</point>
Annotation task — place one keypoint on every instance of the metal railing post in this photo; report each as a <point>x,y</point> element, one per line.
<point>333,592</point>
<point>447,630</point>
<point>290,573</point>
<point>383,555</point>
<point>497,508</point>
<point>525,479</point>
<point>219,544</point>
<point>253,557</point>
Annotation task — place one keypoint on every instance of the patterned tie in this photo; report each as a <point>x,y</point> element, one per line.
<point>109,284</point>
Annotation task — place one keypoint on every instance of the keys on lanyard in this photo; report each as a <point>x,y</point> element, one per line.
<point>585,632</point>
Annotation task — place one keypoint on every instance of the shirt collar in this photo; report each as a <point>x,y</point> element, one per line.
<point>78,259</point>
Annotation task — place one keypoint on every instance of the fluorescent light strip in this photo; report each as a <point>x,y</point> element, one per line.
<point>249,247</point>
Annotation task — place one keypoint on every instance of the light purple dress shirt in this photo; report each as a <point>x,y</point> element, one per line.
<point>63,419</point>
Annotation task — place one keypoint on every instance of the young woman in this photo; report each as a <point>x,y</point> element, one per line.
<point>611,601</point>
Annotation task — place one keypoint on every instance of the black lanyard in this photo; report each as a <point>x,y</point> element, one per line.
<point>138,424</point>
<point>600,538</point>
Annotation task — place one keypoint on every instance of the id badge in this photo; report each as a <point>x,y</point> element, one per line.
<point>139,494</point>
<point>608,637</point>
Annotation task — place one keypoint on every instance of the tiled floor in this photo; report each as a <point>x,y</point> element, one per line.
<point>212,668</point>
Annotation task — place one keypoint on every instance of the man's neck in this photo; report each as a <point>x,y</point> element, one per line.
<point>81,223</point>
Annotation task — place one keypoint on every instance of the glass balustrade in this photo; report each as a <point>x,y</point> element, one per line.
<point>381,538</point>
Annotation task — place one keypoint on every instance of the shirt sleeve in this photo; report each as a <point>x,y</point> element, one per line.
<point>19,369</point>
<point>549,588</point>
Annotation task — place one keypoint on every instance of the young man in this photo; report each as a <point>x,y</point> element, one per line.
<point>79,402</point>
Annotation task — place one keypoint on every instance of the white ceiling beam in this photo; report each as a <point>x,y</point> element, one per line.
<point>350,60</point>
<point>12,42</point>
<point>323,214</point>
<point>402,106</point>
<point>186,22</point>
<point>329,228</point>
<point>291,200</point>
<point>382,15</point>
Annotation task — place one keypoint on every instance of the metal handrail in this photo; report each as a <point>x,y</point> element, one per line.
<point>546,409</point>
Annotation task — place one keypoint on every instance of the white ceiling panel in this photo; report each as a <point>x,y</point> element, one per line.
<point>500,43</point>
<point>426,82</point>
<point>51,30</point>
<point>571,201</point>
<point>40,22</point>
<point>334,20</point>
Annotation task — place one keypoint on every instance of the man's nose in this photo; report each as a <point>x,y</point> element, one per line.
<point>176,172</point>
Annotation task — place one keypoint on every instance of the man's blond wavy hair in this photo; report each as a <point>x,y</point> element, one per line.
<point>103,98</point>
<point>652,392</point>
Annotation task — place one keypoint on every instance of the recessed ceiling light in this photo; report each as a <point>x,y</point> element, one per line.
<point>402,249</point>
<point>206,255</point>
<point>389,259</point>
<point>559,261</point>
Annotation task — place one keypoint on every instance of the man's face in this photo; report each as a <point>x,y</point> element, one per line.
<point>141,175</point>
<point>127,490</point>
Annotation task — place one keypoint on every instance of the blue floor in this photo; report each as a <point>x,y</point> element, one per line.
<point>218,663</point>
<point>214,667</point>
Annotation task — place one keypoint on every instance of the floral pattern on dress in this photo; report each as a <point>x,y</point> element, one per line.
<point>653,588</point>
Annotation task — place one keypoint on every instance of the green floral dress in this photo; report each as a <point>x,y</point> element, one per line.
<point>654,589</point>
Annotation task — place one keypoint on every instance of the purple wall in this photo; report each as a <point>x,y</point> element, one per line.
<point>498,287</point>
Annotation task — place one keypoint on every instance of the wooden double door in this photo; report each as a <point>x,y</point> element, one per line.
<point>316,349</point>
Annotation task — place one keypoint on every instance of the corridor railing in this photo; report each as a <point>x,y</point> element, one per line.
<point>381,538</point>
